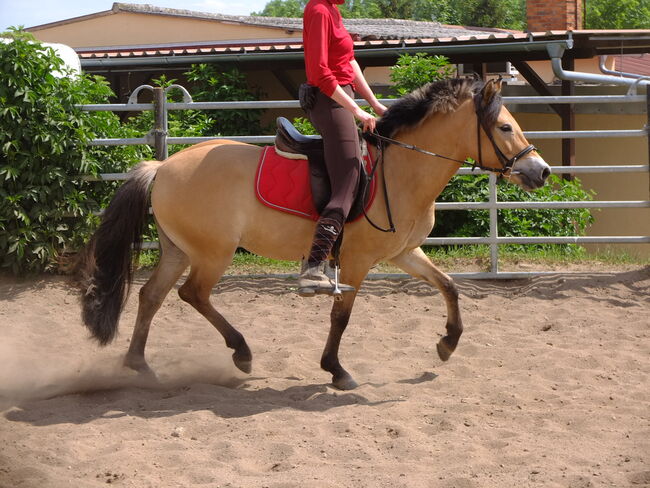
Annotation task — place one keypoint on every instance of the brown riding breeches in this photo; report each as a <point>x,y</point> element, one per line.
<point>342,154</point>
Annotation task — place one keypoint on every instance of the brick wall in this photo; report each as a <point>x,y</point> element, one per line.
<point>545,15</point>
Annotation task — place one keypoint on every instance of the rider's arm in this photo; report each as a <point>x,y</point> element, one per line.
<point>362,87</point>
<point>343,99</point>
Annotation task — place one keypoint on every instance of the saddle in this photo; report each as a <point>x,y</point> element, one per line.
<point>294,171</point>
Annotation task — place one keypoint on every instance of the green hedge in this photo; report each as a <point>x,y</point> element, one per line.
<point>46,206</point>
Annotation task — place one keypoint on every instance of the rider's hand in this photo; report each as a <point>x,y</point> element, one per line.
<point>367,120</point>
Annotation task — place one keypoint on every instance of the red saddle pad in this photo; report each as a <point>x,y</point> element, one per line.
<point>283,184</point>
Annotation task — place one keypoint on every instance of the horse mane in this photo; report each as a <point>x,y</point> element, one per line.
<point>437,97</point>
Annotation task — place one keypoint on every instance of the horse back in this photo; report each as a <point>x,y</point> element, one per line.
<point>205,186</point>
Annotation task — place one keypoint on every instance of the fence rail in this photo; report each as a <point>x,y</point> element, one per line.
<point>159,139</point>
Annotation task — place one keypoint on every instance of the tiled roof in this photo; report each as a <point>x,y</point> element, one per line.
<point>364,28</point>
<point>361,28</point>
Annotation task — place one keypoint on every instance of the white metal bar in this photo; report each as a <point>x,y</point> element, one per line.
<point>542,205</point>
<point>131,141</point>
<point>584,134</point>
<point>115,107</point>
<point>575,99</point>
<point>271,104</point>
<point>574,169</point>
<point>630,168</point>
<point>248,139</point>
<point>459,241</point>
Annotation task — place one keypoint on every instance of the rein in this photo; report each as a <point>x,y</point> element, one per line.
<point>506,163</point>
<point>380,159</point>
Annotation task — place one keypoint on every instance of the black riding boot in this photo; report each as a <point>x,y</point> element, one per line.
<point>313,278</point>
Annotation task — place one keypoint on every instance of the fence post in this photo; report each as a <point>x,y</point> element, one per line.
<point>160,123</point>
<point>494,227</point>
<point>647,128</point>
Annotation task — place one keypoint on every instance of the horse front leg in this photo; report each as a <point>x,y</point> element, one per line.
<point>418,265</point>
<point>339,317</point>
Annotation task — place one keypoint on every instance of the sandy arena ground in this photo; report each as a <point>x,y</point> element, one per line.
<point>549,388</point>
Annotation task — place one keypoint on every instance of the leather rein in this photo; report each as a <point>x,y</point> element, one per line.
<point>506,163</point>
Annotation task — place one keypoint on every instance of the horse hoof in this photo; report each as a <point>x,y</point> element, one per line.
<point>139,365</point>
<point>345,383</point>
<point>244,365</point>
<point>444,352</point>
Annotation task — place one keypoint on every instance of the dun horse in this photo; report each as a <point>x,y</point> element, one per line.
<point>205,208</point>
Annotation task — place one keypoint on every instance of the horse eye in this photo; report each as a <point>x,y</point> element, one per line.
<point>506,128</point>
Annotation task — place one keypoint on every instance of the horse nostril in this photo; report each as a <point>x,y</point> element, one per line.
<point>546,172</point>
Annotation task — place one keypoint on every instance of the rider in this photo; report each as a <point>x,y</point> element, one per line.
<point>332,71</point>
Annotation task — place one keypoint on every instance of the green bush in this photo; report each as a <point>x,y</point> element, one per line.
<point>45,205</point>
<point>413,71</point>
<point>515,222</point>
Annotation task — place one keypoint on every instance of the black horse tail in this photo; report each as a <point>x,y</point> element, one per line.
<point>105,268</point>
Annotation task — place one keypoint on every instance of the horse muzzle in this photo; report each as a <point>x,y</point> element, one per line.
<point>530,172</point>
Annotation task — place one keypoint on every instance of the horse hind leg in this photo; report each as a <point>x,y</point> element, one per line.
<point>172,263</point>
<point>418,265</point>
<point>196,291</point>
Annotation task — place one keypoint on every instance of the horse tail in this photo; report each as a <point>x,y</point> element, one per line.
<point>105,268</point>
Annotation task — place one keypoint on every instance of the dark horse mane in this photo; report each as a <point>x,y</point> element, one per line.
<point>437,97</point>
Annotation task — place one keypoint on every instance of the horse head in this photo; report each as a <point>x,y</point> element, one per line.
<point>502,146</point>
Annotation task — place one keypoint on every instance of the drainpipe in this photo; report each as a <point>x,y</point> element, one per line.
<point>604,69</point>
<point>555,51</point>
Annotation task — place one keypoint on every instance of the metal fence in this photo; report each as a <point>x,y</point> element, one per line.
<point>159,139</point>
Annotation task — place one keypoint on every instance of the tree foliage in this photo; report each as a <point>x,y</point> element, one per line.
<point>479,13</point>
<point>617,14</point>
<point>507,14</point>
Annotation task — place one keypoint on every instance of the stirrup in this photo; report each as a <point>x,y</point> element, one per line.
<point>315,280</point>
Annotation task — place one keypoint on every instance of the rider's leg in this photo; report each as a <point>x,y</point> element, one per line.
<point>342,156</point>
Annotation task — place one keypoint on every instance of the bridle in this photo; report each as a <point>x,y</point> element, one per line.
<point>507,164</point>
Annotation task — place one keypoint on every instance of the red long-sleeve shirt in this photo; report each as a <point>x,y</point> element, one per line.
<point>328,46</point>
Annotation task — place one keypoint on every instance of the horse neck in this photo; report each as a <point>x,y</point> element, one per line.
<point>419,178</point>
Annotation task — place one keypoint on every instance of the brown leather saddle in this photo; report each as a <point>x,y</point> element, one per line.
<point>289,139</point>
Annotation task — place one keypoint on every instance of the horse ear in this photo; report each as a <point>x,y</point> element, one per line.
<point>491,88</point>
